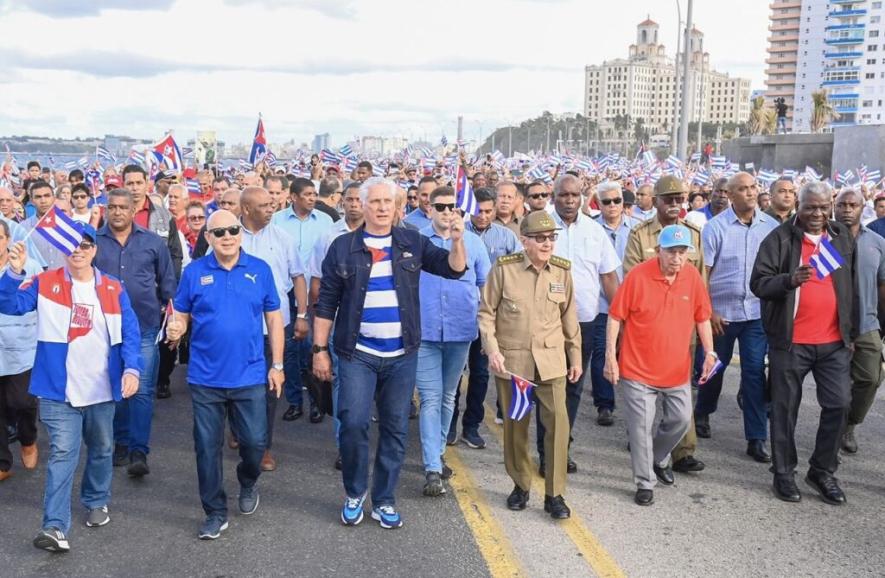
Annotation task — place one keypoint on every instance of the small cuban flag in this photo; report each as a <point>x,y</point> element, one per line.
<point>521,402</point>
<point>825,259</point>
<point>59,230</point>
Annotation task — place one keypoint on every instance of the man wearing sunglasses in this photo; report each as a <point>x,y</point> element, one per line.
<point>669,196</point>
<point>537,196</point>
<point>529,324</point>
<point>228,297</point>
<point>370,291</point>
<point>87,358</point>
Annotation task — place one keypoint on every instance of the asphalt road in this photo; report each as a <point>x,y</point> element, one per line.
<point>721,522</point>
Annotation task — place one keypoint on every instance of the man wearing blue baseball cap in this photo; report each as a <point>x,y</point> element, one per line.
<point>87,359</point>
<point>658,308</point>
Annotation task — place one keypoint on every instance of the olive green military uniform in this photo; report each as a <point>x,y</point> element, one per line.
<point>513,224</point>
<point>530,317</point>
<point>641,246</point>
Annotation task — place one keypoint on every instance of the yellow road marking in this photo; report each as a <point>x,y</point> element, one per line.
<point>493,543</point>
<point>592,550</point>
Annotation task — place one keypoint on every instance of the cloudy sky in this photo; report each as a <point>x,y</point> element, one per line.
<point>347,67</point>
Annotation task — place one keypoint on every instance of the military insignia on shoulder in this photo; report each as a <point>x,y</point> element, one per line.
<point>560,262</point>
<point>512,258</point>
<point>691,226</point>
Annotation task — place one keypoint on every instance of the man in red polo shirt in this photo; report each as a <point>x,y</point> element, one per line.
<point>808,319</point>
<point>657,309</point>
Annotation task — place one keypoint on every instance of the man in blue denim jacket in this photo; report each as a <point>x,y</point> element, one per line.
<point>370,281</point>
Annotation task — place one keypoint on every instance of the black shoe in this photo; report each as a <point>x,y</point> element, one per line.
<point>604,417</point>
<point>556,507</point>
<point>849,441</point>
<point>316,416</point>
<point>293,413</point>
<point>433,486</point>
<point>570,465</point>
<point>740,399</point>
<point>756,450</point>
<point>688,464</point>
<point>665,475</point>
<point>338,463</point>
<point>446,470</point>
<point>164,391</point>
<point>827,486</point>
<point>121,455</point>
<point>518,499</point>
<point>137,465</point>
<point>785,489</point>
<point>702,426</point>
<point>413,410</point>
<point>542,469</point>
<point>644,497</point>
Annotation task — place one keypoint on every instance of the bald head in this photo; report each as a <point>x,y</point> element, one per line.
<point>221,218</point>
<point>257,206</point>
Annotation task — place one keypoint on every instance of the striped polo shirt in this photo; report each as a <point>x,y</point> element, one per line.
<point>381,333</point>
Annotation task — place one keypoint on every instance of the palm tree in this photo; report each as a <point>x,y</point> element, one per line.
<point>762,120</point>
<point>822,111</point>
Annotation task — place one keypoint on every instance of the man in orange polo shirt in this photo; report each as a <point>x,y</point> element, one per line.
<point>809,320</point>
<point>658,307</point>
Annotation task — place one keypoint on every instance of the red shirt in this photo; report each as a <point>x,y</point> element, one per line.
<point>817,316</point>
<point>143,214</point>
<point>659,321</point>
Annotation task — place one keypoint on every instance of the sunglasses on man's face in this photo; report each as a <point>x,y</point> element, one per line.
<point>219,232</point>
<point>86,245</point>
<point>539,195</point>
<point>441,207</point>
<point>79,197</point>
<point>412,197</point>
<point>544,238</point>
<point>607,202</point>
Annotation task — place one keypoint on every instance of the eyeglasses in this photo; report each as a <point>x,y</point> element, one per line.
<point>672,199</point>
<point>441,207</point>
<point>607,202</point>
<point>411,197</point>
<point>544,238</point>
<point>196,218</point>
<point>86,245</point>
<point>219,232</point>
<point>79,197</point>
<point>539,195</point>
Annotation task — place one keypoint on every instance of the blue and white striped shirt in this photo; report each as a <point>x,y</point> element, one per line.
<point>381,332</point>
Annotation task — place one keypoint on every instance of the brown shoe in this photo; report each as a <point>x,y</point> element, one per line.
<point>29,456</point>
<point>232,442</point>
<point>5,475</point>
<point>268,464</point>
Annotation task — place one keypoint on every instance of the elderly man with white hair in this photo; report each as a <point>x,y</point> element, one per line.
<point>369,289</point>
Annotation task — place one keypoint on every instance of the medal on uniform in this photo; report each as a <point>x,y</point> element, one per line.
<point>557,287</point>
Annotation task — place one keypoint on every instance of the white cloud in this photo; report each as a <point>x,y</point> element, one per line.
<point>386,67</point>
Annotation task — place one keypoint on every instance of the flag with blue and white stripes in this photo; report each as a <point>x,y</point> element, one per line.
<point>825,259</point>
<point>60,231</point>
<point>464,196</point>
<point>521,397</point>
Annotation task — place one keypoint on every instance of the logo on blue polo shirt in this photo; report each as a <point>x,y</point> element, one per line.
<point>251,277</point>
<point>207,280</point>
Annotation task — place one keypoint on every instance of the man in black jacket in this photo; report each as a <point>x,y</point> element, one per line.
<point>808,320</point>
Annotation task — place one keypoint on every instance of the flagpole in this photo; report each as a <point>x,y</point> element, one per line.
<point>37,224</point>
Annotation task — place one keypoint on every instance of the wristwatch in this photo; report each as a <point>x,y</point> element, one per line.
<point>301,315</point>
<point>318,348</point>
<point>713,353</point>
<point>277,366</point>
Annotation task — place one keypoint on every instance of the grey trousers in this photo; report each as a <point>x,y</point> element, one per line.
<point>651,442</point>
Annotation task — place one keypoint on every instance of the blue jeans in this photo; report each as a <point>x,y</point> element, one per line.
<point>754,345</point>
<point>336,385</point>
<point>440,365</point>
<point>69,426</point>
<point>603,392</point>
<point>477,388</point>
<point>132,422</point>
<point>249,415</point>
<point>387,382</point>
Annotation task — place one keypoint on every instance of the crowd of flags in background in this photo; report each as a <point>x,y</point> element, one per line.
<point>643,167</point>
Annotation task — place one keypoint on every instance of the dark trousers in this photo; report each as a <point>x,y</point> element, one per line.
<point>271,396</point>
<point>603,391</point>
<point>21,409</point>
<point>477,387</point>
<point>753,344</point>
<point>167,363</point>
<point>573,391</point>
<point>249,416</point>
<point>830,365</point>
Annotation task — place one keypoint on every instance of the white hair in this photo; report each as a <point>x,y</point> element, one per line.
<point>178,187</point>
<point>607,187</point>
<point>816,188</point>
<point>375,182</point>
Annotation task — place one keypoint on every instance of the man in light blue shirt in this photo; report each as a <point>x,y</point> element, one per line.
<point>448,325</point>
<point>645,209</point>
<point>730,242</point>
<point>306,225</point>
<point>420,217</point>
<point>499,241</point>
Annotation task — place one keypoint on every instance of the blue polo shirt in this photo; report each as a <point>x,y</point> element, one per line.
<point>227,309</point>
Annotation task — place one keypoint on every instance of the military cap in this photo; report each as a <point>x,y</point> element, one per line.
<point>669,185</point>
<point>537,222</point>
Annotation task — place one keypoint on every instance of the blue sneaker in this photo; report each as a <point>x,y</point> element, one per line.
<point>212,528</point>
<point>387,516</point>
<point>248,500</point>
<point>352,512</point>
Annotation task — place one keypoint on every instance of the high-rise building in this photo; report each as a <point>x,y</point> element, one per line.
<point>837,46</point>
<point>320,142</point>
<point>643,86</point>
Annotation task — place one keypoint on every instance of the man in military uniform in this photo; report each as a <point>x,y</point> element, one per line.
<point>529,326</point>
<point>669,196</point>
